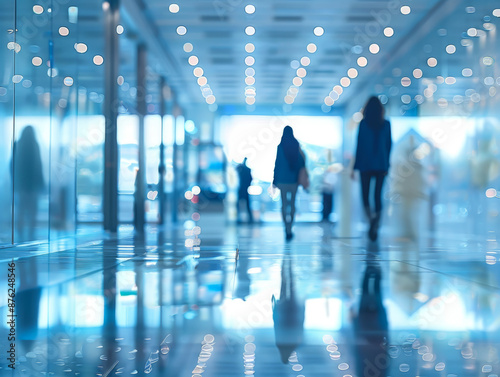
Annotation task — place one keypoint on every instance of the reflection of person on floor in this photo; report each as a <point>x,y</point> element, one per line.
<point>243,279</point>
<point>288,314</point>
<point>328,188</point>
<point>245,178</point>
<point>28,303</point>
<point>372,158</point>
<point>408,184</point>
<point>28,183</point>
<point>289,161</point>
<point>371,327</point>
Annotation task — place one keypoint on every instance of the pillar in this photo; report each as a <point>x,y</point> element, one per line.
<point>110,109</point>
<point>140,186</point>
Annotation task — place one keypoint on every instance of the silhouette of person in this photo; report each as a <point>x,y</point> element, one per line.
<point>288,314</point>
<point>328,189</point>
<point>289,161</point>
<point>372,158</point>
<point>28,183</point>
<point>245,178</point>
<point>371,327</point>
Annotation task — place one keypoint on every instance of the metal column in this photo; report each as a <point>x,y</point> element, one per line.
<point>176,112</point>
<point>111,60</point>
<point>161,167</point>
<point>140,183</point>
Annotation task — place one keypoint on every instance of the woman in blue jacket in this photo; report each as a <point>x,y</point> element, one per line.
<point>289,161</point>
<point>372,158</point>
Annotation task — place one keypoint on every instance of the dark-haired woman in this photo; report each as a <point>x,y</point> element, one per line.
<point>289,161</point>
<point>372,158</point>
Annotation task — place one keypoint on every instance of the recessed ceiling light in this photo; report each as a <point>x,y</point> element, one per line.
<point>37,9</point>
<point>374,48</point>
<point>417,73</point>
<point>297,81</point>
<point>405,81</point>
<point>405,9</point>
<point>345,82</point>
<point>37,61</point>
<point>388,32</point>
<point>311,48</point>
<point>193,60</point>
<point>432,62</point>
<point>329,101</point>
<point>98,60</point>
<point>249,60</point>
<point>249,72</point>
<point>198,71</point>
<point>202,80</point>
<point>81,48</point>
<point>173,8</point>
<point>362,61</point>
<point>319,31</point>
<point>63,31</point>
<point>249,47</point>
<point>250,9</point>
<point>249,30</point>
<point>181,30</point>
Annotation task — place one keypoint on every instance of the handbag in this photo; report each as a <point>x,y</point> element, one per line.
<point>304,178</point>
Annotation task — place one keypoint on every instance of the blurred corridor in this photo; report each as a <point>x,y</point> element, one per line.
<point>226,188</point>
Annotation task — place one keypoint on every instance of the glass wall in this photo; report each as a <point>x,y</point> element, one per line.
<point>53,129</point>
<point>7,56</point>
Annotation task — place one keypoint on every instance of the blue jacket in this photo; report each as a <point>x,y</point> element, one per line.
<point>283,173</point>
<point>374,148</point>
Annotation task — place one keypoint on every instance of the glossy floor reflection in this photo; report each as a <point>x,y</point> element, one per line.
<point>248,303</point>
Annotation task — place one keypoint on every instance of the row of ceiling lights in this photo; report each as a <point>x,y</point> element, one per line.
<point>250,72</point>
<point>194,61</point>
<point>250,90</point>
<point>430,88</point>
<point>301,71</point>
<point>362,62</point>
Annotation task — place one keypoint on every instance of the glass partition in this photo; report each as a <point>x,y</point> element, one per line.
<point>7,56</point>
<point>34,77</point>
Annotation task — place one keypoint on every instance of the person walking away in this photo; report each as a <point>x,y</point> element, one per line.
<point>245,178</point>
<point>372,159</point>
<point>289,162</point>
<point>327,189</point>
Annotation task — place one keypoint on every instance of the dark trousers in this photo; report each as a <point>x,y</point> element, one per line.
<point>327,205</point>
<point>366,179</point>
<point>243,195</point>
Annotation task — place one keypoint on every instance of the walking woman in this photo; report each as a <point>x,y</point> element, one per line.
<point>289,162</point>
<point>372,158</point>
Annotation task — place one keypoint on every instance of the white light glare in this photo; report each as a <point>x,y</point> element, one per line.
<point>319,31</point>
<point>249,30</point>
<point>250,9</point>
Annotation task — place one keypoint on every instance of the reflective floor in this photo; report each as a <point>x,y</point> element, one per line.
<point>248,303</point>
